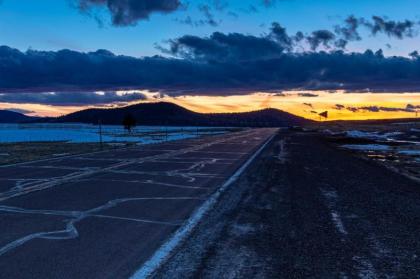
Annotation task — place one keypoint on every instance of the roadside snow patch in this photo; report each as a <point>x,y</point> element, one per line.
<point>367,147</point>
<point>410,152</point>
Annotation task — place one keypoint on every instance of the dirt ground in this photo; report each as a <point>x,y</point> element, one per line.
<point>11,153</point>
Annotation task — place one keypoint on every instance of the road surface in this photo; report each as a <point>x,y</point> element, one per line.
<point>102,215</point>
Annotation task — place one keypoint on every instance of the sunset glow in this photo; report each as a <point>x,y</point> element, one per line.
<point>289,101</point>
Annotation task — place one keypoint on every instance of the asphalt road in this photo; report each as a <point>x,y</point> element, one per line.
<point>102,215</point>
<point>306,209</point>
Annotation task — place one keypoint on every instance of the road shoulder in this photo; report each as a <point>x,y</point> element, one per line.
<point>305,209</point>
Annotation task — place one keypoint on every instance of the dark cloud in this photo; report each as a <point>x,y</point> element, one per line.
<point>412,107</point>
<point>408,108</point>
<point>279,34</point>
<point>226,47</point>
<point>209,17</point>
<point>187,20</point>
<point>349,30</point>
<point>307,95</point>
<point>221,63</point>
<point>129,12</point>
<point>207,10</point>
<point>70,98</point>
<point>323,38</point>
<point>341,43</point>
<point>414,54</point>
<point>397,29</point>
<point>237,46</point>
<point>308,105</point>
<point>352,109</point>
<point>339,107</point>
<point>19,110</point>
<point>279,94</point>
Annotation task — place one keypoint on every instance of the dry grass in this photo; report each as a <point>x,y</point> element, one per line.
<point>11,153</point>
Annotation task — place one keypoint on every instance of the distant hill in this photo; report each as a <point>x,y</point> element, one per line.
<point>164,113</point>
<point>7,116</point>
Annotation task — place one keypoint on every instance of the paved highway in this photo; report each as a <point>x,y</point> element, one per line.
<point>102,215</point>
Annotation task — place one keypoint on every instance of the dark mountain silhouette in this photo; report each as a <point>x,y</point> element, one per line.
<point>7,116</point>
<point>170,114</point>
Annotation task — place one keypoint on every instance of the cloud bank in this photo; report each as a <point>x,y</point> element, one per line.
<point>221,64</point>
<point>408,108</point>
<point>207,68</point>
<point>70,98</point>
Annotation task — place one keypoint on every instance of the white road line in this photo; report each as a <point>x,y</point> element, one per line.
<point>331,197</point>
<point>58,181</point>
<point>162,254</point>
<point>71,231</point>
<point>282,156</point>
<point>136,220</point>
<point>336,218</point>
<point>149,181</point>
<point>364,265</point>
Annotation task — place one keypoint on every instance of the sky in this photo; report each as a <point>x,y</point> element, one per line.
<point>212,55</point>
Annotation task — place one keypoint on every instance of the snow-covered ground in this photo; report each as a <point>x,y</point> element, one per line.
<point>79,133</point>
<point>410,152</point>
<point>367,147</point>
<point>397,147</point>
<point>373,135</point>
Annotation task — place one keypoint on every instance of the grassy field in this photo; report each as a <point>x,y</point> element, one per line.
<point>11,153</point>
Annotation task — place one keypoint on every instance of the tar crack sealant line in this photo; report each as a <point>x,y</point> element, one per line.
<point>163,253</point>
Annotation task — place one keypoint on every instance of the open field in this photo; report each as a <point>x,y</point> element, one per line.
<point>26,142</point>
<point>21,152</point>
<point>103,215</point>
<point>86,133</point>
<point>395,145</point>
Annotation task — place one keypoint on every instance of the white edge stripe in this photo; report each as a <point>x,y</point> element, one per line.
<point>160,256</point>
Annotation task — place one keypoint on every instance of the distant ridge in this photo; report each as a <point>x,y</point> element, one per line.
<point>7,116</point>
<point>165,113</point>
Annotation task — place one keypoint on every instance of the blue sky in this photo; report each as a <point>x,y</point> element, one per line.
<point>58,24</point>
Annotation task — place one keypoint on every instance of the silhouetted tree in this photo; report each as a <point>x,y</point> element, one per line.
<point>129,122</point>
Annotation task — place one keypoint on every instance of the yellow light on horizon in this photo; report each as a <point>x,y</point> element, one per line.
<point>289,101</point>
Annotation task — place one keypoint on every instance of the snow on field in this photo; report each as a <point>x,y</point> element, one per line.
<point>367,147</point>
<point>361,134</point>
<point>372,135</point>
<point>78,133</point>
<point>410,152</point>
